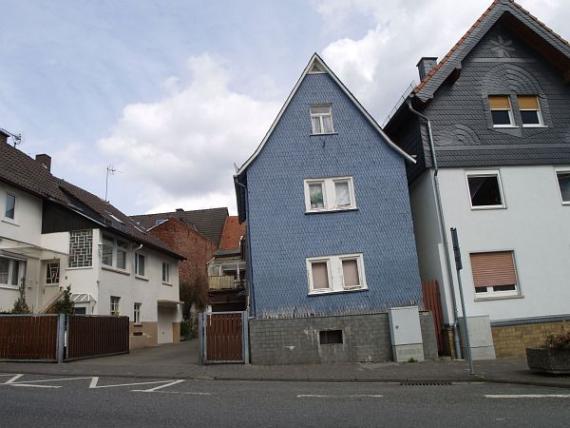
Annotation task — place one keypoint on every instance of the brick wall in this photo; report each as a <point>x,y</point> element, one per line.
<point>197,249</point>
<point>366,338</point>
<point>512,340</point>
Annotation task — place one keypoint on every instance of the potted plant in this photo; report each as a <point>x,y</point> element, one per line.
<point>554,357</point>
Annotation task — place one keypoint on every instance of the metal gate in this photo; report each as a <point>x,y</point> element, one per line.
<point>224,337</point>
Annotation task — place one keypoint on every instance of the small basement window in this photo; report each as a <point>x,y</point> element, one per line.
<point>501,111</point>
<point>329,337</point>
<point>485,190</point>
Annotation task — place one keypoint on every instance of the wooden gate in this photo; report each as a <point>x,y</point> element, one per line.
<point>223,337</point>
<point>96,335</point>
<point>432,303</point>
<point>28,337</point>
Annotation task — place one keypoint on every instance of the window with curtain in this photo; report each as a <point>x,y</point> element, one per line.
<point>329,194</point>
<point>501,111</point>
<point>485,190</point>
<point>321,119</point>
<point>529,107</point>
<point>494,273</point>
<point>336,273</point>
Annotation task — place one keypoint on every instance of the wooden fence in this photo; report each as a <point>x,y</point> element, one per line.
<point>432,303</point>
<point>28,337</point>
<point>43,337</point>
<point>89,336</point>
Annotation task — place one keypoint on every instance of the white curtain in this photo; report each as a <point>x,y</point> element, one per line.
<point>342,194</point>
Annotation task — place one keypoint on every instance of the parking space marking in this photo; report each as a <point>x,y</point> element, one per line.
<point>176,392</point>
<point>95,381</point>
<point>14,379</point>
<point>515,396</point>
<point>156,388</point>
<point>34,383</point>
<point>340,396</point>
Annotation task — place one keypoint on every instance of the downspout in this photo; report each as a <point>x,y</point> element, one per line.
<point>442,227</point>
<point>251,294</point>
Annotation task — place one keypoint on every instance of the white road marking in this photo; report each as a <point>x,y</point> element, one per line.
<point>35,386</point>
<point>95,381</point>
<point>174,392</point>
<point>32,383</point>
<point>340,396</point>
<point>156,388</point>
<point>14,378</point>
<point>527,395</point>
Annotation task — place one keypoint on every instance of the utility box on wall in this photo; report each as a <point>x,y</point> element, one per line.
<point>406,334</point>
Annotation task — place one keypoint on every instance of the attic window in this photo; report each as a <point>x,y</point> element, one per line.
<point>501,111</point>
<point>316,68</point>
<point>321,119</point>
<point>530,110</point>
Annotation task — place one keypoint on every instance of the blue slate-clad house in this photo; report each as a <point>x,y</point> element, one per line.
<point>328,216</point>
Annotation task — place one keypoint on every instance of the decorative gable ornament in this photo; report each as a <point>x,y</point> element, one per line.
<point>316,68</point>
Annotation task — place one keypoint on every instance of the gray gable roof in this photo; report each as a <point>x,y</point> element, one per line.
<point>208,222</point>
<point>452,61</point>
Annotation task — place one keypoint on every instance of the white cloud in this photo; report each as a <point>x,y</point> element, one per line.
<point>181,149</point>
<point>380,65</point>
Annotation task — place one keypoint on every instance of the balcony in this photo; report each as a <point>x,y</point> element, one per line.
<point>224,283</point>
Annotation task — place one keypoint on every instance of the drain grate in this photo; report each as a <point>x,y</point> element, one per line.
<point>426,383</point>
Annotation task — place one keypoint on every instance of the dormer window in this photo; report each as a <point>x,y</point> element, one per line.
<point>321,119</point>
<point>501,111</point>
<point>530,110</point>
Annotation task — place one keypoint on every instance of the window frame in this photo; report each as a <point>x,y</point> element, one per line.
<point>48,281</point>
<point>491,294</point>
<point>557,172</point>
<point>118,245</point>
<point>486,173</point>
<point>20,275</point>
<point>511,115</point>
<point>167,280</point>
<point>6,217</point>
<point>329,194</point>
<point>137,265</point>
<point>137,313</point>
<point>336,274</point>
<point>539,114</point>
<point>115,306</point>
<point>320,117</point>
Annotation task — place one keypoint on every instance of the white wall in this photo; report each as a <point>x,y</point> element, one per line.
<point>27,224</point>
<point>535,224</point>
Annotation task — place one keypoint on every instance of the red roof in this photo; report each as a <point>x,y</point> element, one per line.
<point>232,233</point>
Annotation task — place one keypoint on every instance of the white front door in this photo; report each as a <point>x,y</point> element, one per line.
<point>165,320</point>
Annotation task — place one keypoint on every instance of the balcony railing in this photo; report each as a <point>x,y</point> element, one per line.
<point>224,283</point>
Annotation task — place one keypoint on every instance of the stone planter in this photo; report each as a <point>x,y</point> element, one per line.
<point>547,360</point>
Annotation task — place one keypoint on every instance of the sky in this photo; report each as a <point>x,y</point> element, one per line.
<point>175,93</point>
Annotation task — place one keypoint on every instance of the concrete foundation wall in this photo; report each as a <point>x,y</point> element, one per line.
<point>143,335</point>
<point>512,340</point>
<point>366,338</point>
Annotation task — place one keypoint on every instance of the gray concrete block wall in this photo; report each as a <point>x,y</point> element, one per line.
<point>366,338</point>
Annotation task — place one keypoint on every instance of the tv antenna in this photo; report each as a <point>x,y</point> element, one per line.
<point>110,171</point>
<point>16,138</point>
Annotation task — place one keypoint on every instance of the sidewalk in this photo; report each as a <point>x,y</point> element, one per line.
<point>180,362</point>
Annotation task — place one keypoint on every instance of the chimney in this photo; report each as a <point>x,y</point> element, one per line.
<point>179,210</point>
<point>44,160</point>
<point>425,64</point>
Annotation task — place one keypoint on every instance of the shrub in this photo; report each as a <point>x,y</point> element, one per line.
<point>64,305</point>
<point>558,341</point>
<point>20,305</point>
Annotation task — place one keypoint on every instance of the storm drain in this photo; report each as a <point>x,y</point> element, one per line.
<point>426,383</point>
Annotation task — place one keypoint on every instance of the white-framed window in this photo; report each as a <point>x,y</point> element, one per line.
<point>114,252</point>
<point>485,190</point>
<point>140,264</point>
<point>166,272</point>
<point>329,194</point>
<point>137,313</point>
<point>12,272</point>
<point>494,274</point>
<point>115,302</point>
<point>52,272</point>
<point>531,114</point>
<point>10,207</point>
<point>330,274</point>
<point>501,111</point>
<point>563,177</point>
<point>321,119</point>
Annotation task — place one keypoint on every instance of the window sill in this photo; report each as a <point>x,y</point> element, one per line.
<point>488,207</point>
<point>52,285</point>
<point>168,284</point>
<point>336,210</point>
<point>142,278</point>
<point>505,126</point>
<point>9,287</point>
<point>534,126</point>
<point>324,134</point>
<point>321,293</point>
<point>138,324</point>
<point>496,297</point>
<point>79,268</point>
<point>566,203</point>
<point>116,270</point>
<point>9,221</point>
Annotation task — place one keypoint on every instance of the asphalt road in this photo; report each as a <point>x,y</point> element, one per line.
<point>44,401</point>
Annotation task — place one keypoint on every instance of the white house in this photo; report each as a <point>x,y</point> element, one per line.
<point>54,234</point>
<point>489,126</point>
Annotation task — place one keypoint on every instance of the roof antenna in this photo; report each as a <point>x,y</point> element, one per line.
<point>110,171</point>
<point>16,138</point>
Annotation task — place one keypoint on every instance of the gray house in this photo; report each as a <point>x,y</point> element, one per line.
<point>489,125</point>
<point>329,230</point>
